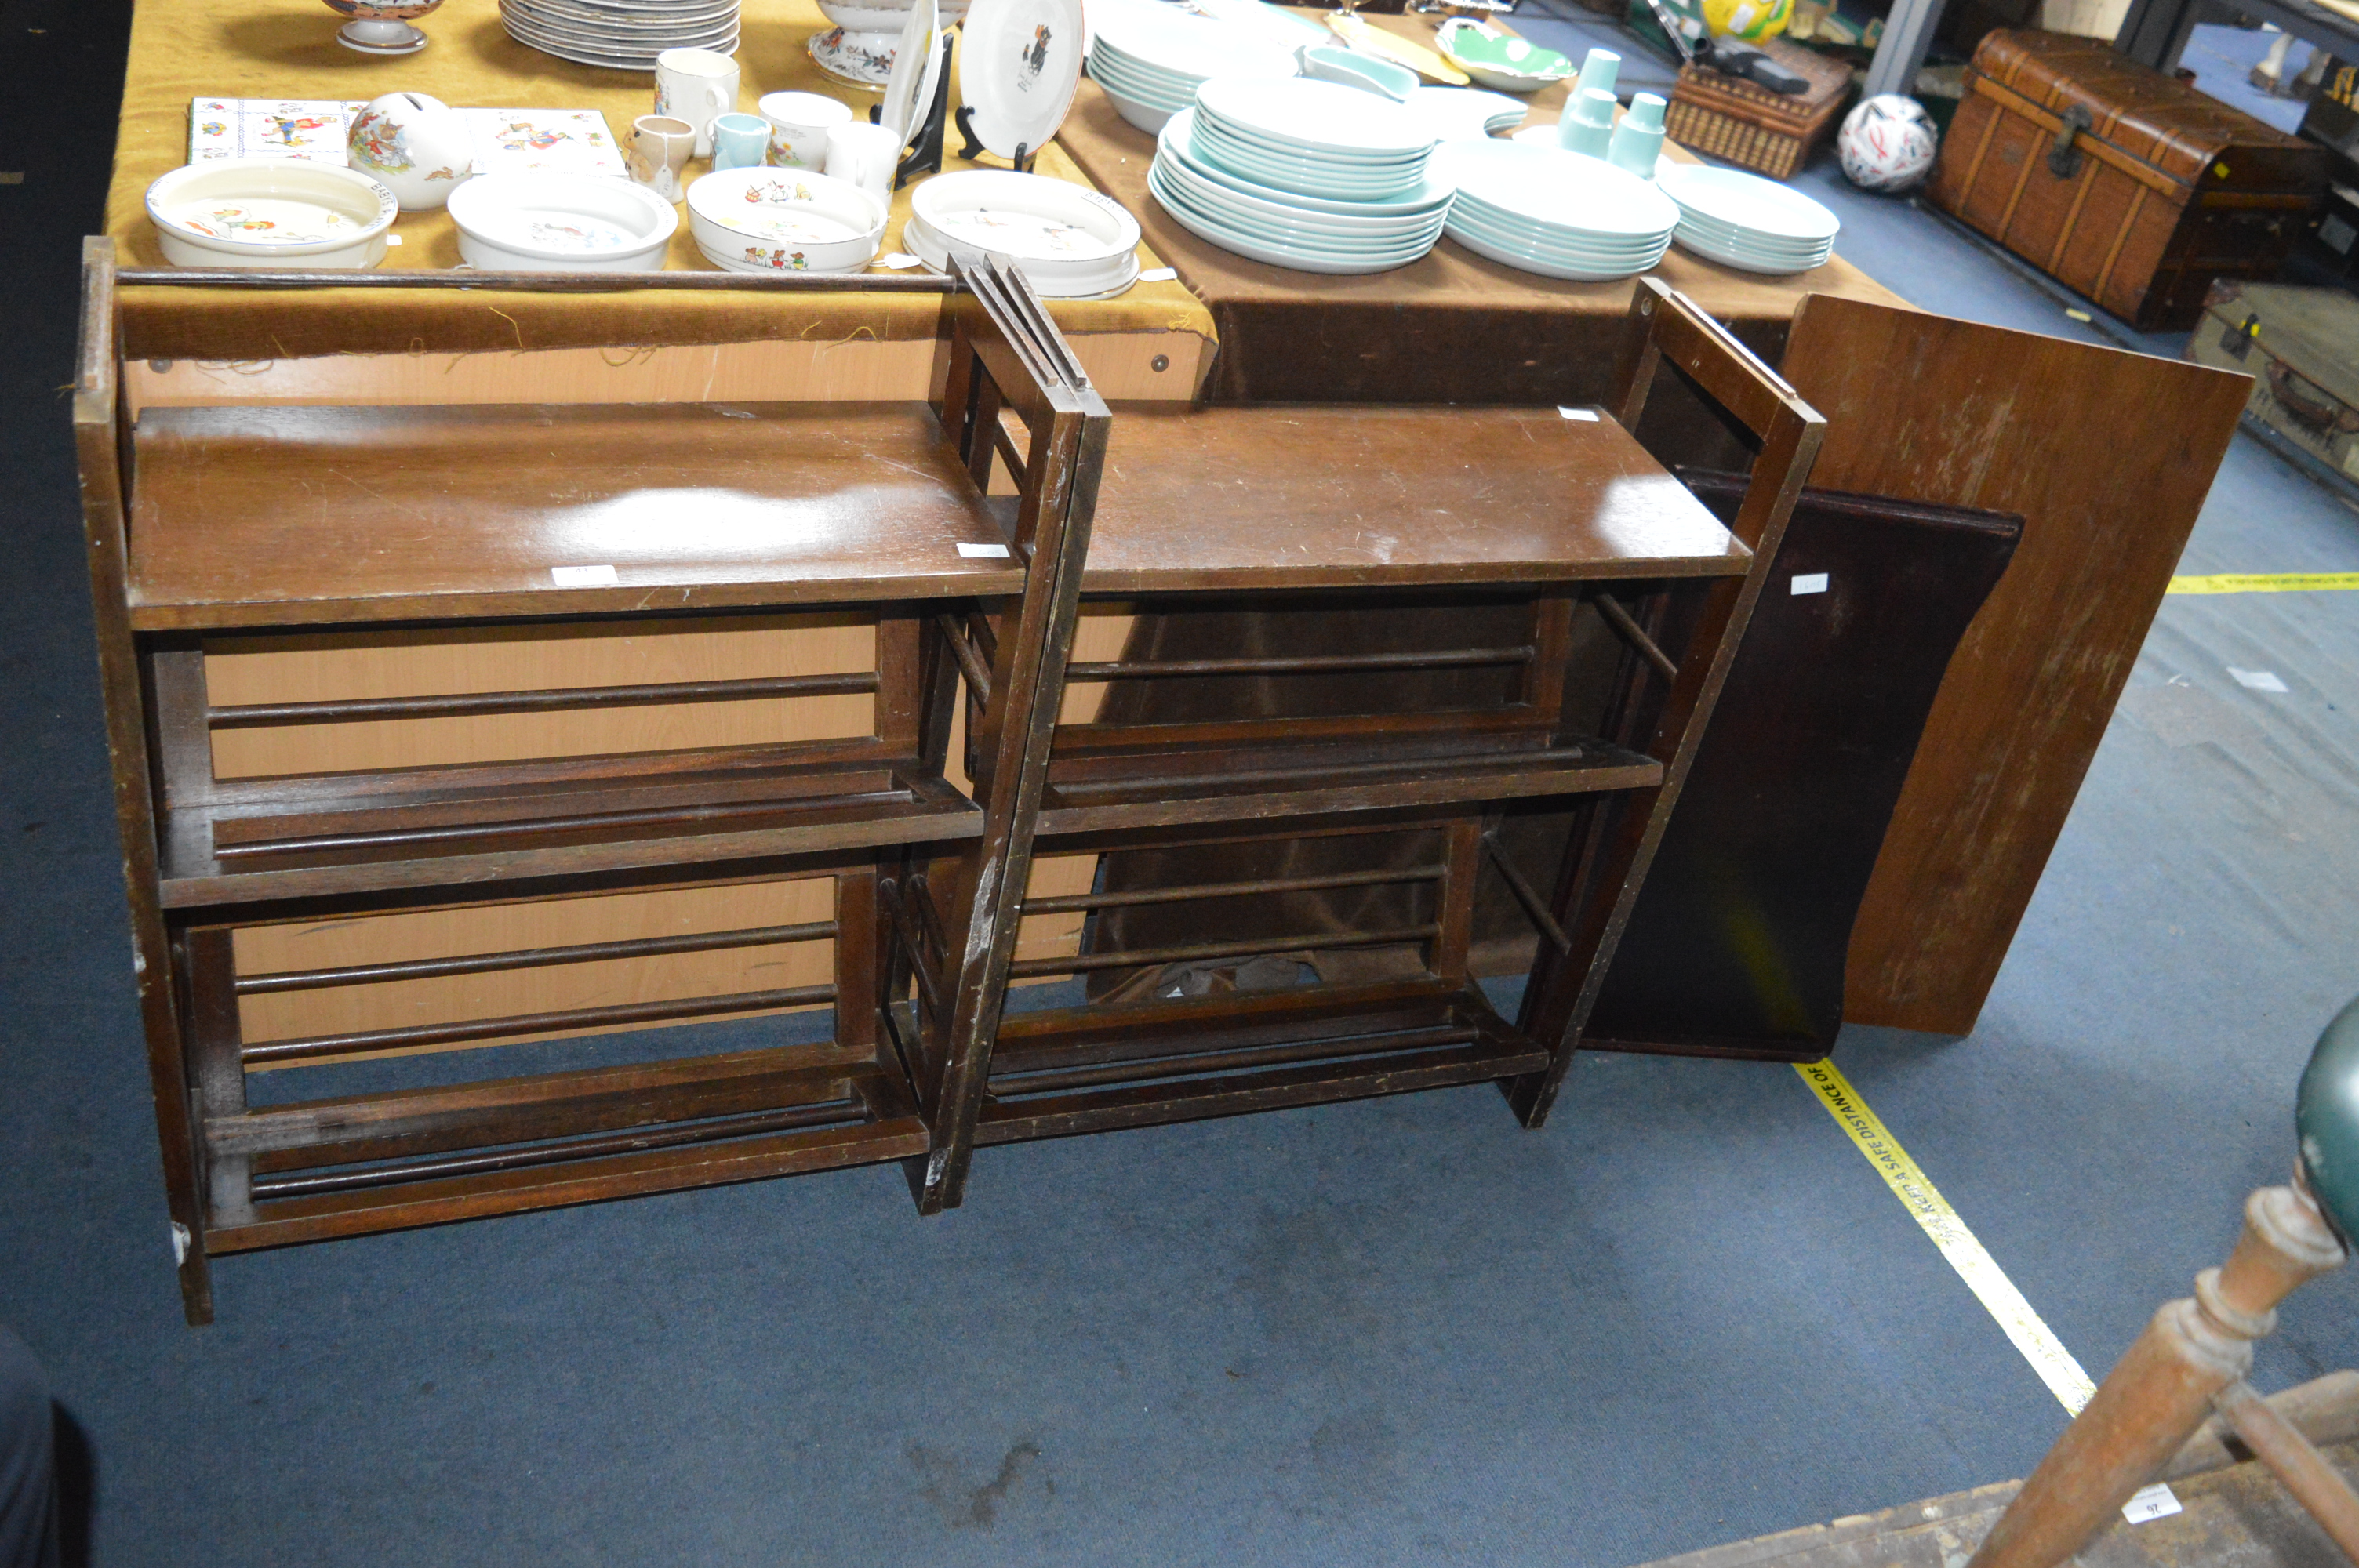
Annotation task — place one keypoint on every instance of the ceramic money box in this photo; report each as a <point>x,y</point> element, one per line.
<point>415,146</point>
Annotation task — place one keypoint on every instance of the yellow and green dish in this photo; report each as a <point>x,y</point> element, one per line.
<point>1497,58</point>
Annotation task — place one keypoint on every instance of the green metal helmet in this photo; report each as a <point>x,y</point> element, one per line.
<point>2326,1118</point>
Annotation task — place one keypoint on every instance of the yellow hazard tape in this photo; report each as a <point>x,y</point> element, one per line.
<point>2282,582</point>
<point>1923,1200</point>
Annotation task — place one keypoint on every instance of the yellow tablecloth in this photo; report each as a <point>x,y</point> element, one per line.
<point>182,50</point>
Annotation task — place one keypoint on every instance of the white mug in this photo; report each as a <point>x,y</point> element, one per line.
<point>864,155</point>
<point>658,154</point>
<point>799,123</point>
<point>694,85</point>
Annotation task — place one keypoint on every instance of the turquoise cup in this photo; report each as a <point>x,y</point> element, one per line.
<point>1588,124</point>
<point>1638,140</point>
<point>739,140</point>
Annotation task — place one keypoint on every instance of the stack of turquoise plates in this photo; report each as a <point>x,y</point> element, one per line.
<point>1316,138</point>
<point>1287,228</point>
<point>1746,221</point>
<point>1560,214</point>
<point>1150,58</point>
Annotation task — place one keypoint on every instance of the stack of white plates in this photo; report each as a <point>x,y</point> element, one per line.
<point>1316,138</point>
<point>624,35</point>
<point>1287,228</point>
<point>1746,221</point>
<point>1556,213</point>
<point>1069,241</point>
<point>1152,59</point>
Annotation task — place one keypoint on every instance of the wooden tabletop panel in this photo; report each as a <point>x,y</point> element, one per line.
<point>300,515</point>
<point>1355,497</point>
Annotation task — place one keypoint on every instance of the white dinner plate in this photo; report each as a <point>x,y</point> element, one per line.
<point>1184,43</point>
<point>1276,245</point>
<point>1018,65</point>
<point>1178,136</point>
<point>1564,190</point>
<point>913,52</point>
<point>1544,266</point>
<point>1219,198</point>
<point>1315,117</point>
<point>1542,243</point>
<point>1118,77</point>
<point>1464,113</point>
<point>1748,201</point>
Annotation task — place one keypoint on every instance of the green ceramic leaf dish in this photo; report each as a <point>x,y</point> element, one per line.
<point>1481,50</point>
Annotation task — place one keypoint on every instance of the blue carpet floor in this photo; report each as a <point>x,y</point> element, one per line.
<point>1395,1332</point>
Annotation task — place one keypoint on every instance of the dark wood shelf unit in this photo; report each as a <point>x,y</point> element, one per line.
<point>216,532</point>
<point>231,530</point>
<point>1558,514</point>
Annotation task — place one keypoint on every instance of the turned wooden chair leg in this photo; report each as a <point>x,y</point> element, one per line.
<point>2195,1352</point>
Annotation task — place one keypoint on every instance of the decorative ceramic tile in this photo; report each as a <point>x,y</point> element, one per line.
<point>575,141</point>
<point>312,129</point>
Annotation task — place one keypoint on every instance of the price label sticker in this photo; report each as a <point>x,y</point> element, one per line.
<point>1809,582</point>
<point>1158,275</point>
<point>1588,415</point>
<point>983,552</point>
<point>583,576</point>
<point>2150,1503</point>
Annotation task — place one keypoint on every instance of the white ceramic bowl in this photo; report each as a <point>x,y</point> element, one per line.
<point>270,212</point>
<point>1067,239</point>
<point>542,221</point>
<point>784,219</point>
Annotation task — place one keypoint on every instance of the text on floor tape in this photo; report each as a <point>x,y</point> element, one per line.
<point>1924,1201</point>
<point>2253,582</point>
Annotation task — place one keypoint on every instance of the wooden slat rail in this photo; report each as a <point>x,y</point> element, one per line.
<point>323,1216</point>
<point>531,958</point>
<point>1337,664</point>
<point>671,1135</point>
<point>248,716</point>
<point>537,282</point>
<point>972,661</point>
<point>1067,903</point>
<point>325,1047</point>
<point>521,1110</point>
<point>915,938</point>
<point>1154,1103</point>
<point>1192,951</point>
<point>1207,1063</point>
<point>1619,617</point>
<point>1534,907</point>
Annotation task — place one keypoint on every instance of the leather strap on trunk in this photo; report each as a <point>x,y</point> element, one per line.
<point>2104,152</point>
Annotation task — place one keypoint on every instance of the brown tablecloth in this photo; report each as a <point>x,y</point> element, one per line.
<point>182,50</point>
<point>1453,328</point>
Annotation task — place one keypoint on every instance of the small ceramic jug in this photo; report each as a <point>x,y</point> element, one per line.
<point>739,141</point>
<point>660,147</point>
<point>415,146</point>
<point>864,155</point>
